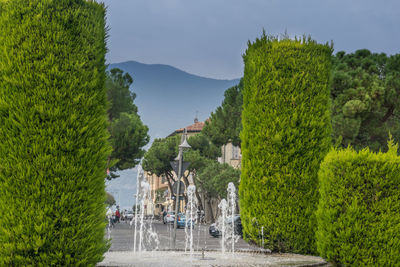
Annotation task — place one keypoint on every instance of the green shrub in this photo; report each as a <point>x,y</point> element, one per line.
<point>359,210</point>
<point>53,133</point>
<point>286,135</point>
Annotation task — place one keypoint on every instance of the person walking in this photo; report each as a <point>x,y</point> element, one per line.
<point>117,215</point>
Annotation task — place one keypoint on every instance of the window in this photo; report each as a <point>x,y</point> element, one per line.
<point>235,152</point>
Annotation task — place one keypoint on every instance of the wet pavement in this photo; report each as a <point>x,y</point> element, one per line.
<point>207,250</point>
<point>122,236</point>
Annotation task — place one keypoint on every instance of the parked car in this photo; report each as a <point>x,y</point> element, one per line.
<point>169,218</point>
<point>215,232</point>
<point>129,215</point>
<point>182,222</point>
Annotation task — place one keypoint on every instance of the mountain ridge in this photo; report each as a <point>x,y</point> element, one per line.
<point>169,98</point>
<point>169,66</point>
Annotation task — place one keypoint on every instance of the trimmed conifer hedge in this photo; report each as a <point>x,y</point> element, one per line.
<point>53,132</point>
<point>359,210</point>
<point>286,135</point>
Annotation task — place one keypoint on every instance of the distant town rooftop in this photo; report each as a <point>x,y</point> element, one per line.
<point>196,127</point>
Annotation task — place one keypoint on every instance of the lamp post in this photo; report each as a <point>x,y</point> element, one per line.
<point>183,146</point>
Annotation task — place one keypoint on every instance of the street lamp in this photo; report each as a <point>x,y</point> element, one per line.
<point>182,147</point>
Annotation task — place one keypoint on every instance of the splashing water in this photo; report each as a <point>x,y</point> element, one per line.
<point>138,178</point>
<point>148,239</point>
<point>221,222</point>
<point>145,190</point>
<point>226,222</point>
<point>262,236</point>
<point>191,211</point>
<point>231,212</point>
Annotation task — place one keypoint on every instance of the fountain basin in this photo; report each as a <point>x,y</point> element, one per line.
<point>210,258</point>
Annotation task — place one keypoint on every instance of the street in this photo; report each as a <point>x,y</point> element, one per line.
<point>122,236</point>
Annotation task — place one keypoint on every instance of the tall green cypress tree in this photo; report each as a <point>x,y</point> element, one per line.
<point>53,132</point>
<point>286,134</point>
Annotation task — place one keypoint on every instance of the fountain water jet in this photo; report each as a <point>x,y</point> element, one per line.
<point>232,205</point>
<point>262,236</point>
<point>191,211</point>
<point>146,233</point>
<point>221,222</point>
<point>138,178</point>
<point>145,190</point>
<point>226,223</point>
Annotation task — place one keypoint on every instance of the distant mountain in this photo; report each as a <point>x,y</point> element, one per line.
<point>169,98</point>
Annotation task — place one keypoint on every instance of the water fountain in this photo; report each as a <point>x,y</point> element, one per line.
<point>222,221</point>
<point>231,212</point>
<point>145,188</point>
<point>226,222</point>
<point>147,237</point>
<point>262,237</point>
<point>138,179</point>
<point>191,212</point>
<point>205,257</point>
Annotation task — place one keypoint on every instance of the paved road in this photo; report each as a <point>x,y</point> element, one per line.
<point>122,236</point>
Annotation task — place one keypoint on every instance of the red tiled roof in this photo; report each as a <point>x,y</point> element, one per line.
<point>194,128</point>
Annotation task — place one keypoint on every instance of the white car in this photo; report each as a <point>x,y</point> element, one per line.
<point>169,218</point>
<point>129,215</point>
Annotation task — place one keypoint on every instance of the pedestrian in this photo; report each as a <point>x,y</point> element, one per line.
<point>164,214</point>
<point>117,215</point>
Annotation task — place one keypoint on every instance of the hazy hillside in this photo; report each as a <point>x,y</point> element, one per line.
<point>168,98</point>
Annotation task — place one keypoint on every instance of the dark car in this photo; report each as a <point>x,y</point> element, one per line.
<point>214,231</point>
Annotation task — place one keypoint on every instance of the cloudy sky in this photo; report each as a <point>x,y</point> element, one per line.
<point>208,37</point>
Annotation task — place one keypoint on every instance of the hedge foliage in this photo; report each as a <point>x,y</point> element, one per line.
<point>53,133</point>
<point>286,135</point>
<point>359,210</point>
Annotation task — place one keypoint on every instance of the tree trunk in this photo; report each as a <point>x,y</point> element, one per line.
<point>210,209</point>
<point>199,202</point>
<point>217,212</point>
<point>388,114</point>
<point>169,178</point>
<point>186,181</point>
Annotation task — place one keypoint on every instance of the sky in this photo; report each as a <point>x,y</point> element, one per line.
<point>209,37</point>
<point>123,188</point>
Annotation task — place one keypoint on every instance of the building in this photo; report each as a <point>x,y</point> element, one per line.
<point>231,155</point>
<point>191,130</point>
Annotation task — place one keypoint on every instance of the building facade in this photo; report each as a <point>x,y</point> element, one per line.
<point>231,155</point>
